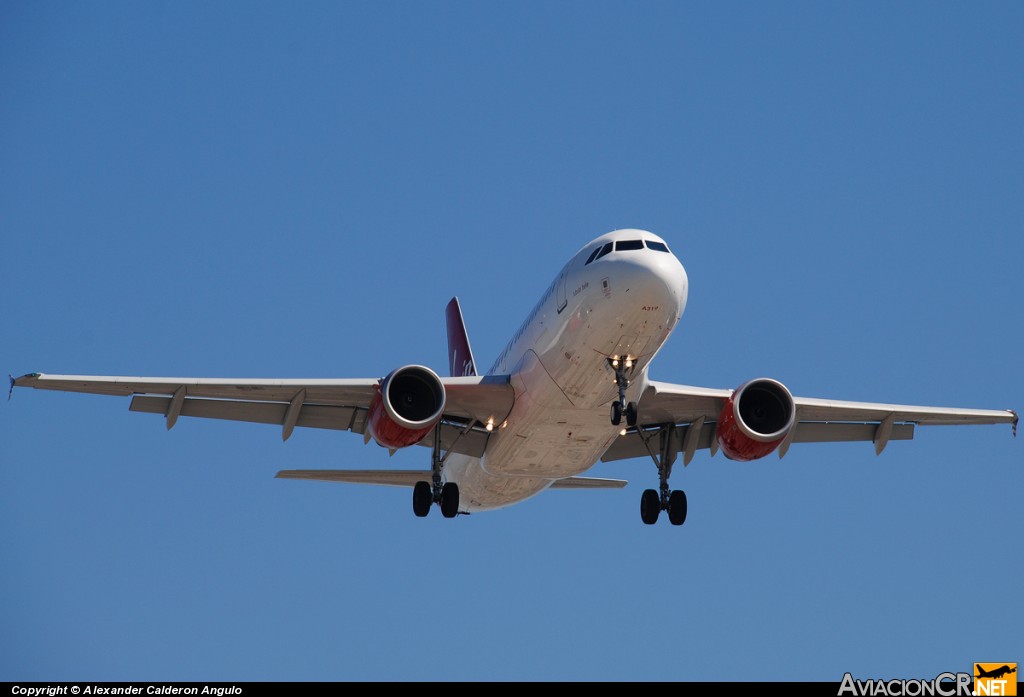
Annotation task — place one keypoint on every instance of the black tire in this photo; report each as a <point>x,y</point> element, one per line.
<point>422,499</point>
<point>677,507</point>
<point>450,500</point>
<point>650,506</point>
<point>616,413</point>
<point>631,414</point>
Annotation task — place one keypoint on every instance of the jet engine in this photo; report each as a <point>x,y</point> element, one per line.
<point>755,419</point>
<point>408,404</point>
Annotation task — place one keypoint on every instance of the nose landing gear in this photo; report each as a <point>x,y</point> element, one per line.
<point>622,367</point>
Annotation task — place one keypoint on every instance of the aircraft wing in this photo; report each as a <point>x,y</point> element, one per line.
<point>339,404</point>
<point>693,412</point>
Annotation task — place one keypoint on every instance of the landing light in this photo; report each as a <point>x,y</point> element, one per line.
<point>622,432</point>
<point>629,364</point>
<point>489,425</point>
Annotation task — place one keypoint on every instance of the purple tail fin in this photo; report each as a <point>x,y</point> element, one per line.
<point>460,356</point>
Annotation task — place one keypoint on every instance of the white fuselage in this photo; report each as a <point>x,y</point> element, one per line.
<point>624,305</point>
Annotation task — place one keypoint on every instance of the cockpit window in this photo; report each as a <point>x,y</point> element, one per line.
<point>624,246</point>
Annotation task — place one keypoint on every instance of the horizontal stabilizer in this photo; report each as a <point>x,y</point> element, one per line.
<point>384,477</point>
<point>588,483</point>
<point>408,478</point>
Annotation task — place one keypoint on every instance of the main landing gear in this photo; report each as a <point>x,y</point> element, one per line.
<point>425,494</point>
<point>622,366</point>
<point>652,502</point>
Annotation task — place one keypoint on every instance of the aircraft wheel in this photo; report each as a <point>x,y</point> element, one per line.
<point>450,500</point>
<point>422,498</point>
<point>616,413</point>
<point>650,506</point>
<point>631,414</point>
<point>677,507</point>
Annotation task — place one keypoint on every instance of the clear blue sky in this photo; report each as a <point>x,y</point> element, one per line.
<point>259,190</point>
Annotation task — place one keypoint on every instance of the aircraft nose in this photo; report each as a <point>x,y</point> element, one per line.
<point>674,280</point>
<point>654,280</point>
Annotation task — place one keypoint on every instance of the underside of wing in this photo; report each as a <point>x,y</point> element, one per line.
<point>675,419</point>
<point>340,404</point>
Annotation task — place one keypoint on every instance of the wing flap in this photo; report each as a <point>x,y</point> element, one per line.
<point>632,444</point>
<point>311,415</point>
<point>455,436</point>
<point>813,432</point>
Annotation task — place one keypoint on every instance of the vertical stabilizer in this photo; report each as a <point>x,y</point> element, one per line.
<point>460,356</point>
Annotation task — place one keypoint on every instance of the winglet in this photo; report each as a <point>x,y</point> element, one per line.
<point>1015,420</point>
<point>460,356</point>
<point>24,382</point>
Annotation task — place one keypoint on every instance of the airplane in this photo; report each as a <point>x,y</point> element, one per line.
<point>996,673</point>
<point>571,388</point>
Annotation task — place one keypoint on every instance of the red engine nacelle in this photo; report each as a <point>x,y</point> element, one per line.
<point>755,419</point>
<point>408,404</point>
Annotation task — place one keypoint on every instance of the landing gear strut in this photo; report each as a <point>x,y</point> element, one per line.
<point>622,366</point>
<point>653,502</point>
<point>425,494</point>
